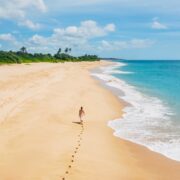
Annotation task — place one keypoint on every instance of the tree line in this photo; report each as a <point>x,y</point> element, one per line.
<point>23,56</point>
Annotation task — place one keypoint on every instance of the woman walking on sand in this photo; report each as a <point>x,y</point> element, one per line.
<point>81,113</point>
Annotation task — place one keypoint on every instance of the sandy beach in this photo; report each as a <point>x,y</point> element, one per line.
<point>40,138</point>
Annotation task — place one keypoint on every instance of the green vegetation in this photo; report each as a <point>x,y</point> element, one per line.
<point>22,56</point>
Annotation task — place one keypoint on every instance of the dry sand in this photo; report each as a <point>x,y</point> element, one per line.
<point>39,135</point>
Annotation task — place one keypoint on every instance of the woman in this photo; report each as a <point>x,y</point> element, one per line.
<point>81,113</point>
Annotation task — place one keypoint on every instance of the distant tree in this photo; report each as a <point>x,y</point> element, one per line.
<point>66,50</point>
<point>22,56</point>
<point>23,50</point>
<point>59,51</point>
<point>9,57</point>
<point>87,57</point>
<point>49,55</point>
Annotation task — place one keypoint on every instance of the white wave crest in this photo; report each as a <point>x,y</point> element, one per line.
<point>113,69</point>
<point>146,120</point>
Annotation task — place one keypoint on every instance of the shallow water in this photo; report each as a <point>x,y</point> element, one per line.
<point>152,90</point>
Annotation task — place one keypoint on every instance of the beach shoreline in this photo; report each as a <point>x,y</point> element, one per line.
<point>135,126</point>
<point>39,133</point>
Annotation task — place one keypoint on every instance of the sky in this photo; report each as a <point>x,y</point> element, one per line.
<point>128,29</point>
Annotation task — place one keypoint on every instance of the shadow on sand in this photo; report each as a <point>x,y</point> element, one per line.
<point>80,123</point>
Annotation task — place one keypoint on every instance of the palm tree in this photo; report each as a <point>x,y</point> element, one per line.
<point>66,50</point>
<point>70,49</point>
<point>23,50</point>
<point>59,51</point>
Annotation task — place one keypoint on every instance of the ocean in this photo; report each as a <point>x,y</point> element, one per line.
<point>151,90</point>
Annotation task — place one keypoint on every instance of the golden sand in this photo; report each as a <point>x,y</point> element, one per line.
<point>40,138</point>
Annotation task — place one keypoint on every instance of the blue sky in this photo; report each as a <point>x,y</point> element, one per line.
<point>130,29</point>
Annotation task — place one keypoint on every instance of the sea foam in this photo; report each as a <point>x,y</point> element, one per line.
<point>146,120</point>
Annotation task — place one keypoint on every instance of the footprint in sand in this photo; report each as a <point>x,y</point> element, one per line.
<point>75,152</point>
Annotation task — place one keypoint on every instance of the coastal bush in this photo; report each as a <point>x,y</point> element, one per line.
<point>89,58</point>
<point>22,56</point>
<point>9,57</point>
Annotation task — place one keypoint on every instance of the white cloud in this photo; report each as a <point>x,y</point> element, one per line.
<point>110,27</point>
<point>112,45</point>
<point>79,38</point>
<point>17,10</point>
<point>119,45</point>
<point>31,25</point>
<point>157,25</point>
<point>82,38</point>
<point>7,37</point>
<point>88,29</point>
<point>73,36</point>
<point>38,40</point>
<point>141,43</point>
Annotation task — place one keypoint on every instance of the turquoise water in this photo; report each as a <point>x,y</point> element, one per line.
<point>157,78</point>
<point>152,92</point>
